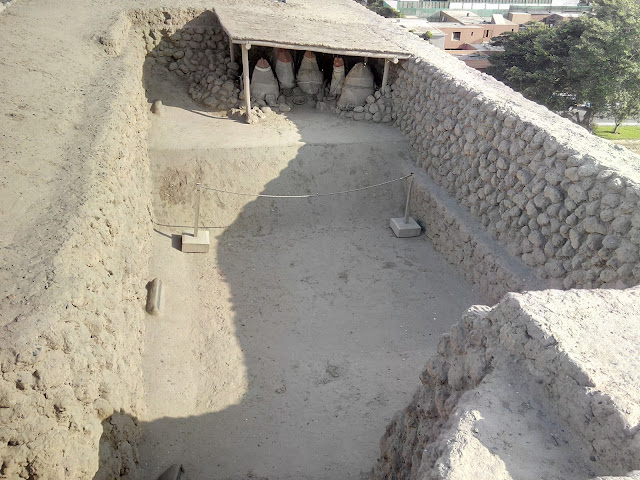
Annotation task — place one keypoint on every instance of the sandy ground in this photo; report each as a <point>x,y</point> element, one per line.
<point>633,145</point>
<point>284,352</point>
<point>46,128</point>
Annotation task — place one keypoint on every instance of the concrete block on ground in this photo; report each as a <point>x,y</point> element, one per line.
<point>403,230</point>
<point>193,244</point>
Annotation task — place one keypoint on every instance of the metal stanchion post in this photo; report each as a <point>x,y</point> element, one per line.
<point>406,208</point>
<point>197,220</point>
<point>199,241</point>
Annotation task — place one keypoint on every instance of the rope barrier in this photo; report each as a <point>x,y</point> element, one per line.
<point>311,195</point>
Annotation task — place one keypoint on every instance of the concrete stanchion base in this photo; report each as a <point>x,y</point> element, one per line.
<point>199,244</point>
<point>402,230</point>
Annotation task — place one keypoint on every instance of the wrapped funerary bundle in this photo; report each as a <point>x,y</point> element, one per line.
<point>284,69</point>
<point>357,87</point>
<point>309,75</point>
<point>337,78</point>
<point>263,82</point>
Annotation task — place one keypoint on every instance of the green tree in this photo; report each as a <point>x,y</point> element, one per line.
<point>624,104</point>
<point>380,8</point>
<point>427,35</point>
<point>607,59</point>
<point>592,60</point>
<point>534,62</point>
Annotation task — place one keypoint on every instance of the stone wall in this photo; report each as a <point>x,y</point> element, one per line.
<point>73,370</point>
<point>536,387</point>
<point>561,201</point>
<point>463,241</point>
<point>198,51</point>
<point>539,386</point>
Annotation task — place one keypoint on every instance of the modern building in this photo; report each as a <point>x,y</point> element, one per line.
<point>458,28</point>
<point>475,55</point>
<point>430,9</point>
<point>461,27</point>
<point>525,17</point>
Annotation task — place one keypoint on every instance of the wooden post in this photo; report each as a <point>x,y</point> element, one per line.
<point>385,74</point>
<point>231,55</point>
<point>247,83</point>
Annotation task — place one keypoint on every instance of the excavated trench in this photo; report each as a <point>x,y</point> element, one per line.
<point>285,350</point>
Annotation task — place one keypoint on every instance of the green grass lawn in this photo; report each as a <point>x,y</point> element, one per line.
<point>624,132</point>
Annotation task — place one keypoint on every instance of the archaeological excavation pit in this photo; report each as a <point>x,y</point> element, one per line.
<point>308,320</point>
<point>285,350</point>
<point>310,341</point>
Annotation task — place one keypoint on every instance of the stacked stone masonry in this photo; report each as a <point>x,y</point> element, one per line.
<point>465,244</point>
<point>569,213</point>
<point>198,52</point>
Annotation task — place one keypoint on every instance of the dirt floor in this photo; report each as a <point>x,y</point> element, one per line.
<point>285,350</point>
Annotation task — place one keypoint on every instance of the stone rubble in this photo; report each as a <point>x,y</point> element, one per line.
<point>378,108</point>
<point>199,54</point>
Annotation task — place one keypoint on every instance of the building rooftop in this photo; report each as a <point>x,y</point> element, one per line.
<point>339,27</point>
<point>498,19</point>
<point>568,15</point>
<point>464,16</point>
<point>485,47</point>
<point>417,25</point>
<point>457,25</point>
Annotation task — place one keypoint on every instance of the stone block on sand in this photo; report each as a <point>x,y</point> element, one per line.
<point>402,229</point>
<point>195,244</point>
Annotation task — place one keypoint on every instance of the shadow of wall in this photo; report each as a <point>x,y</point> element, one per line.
<point>118,453</point>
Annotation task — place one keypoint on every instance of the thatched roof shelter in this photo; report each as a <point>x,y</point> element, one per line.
<point>340,27</point>
<point>331,26</point>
